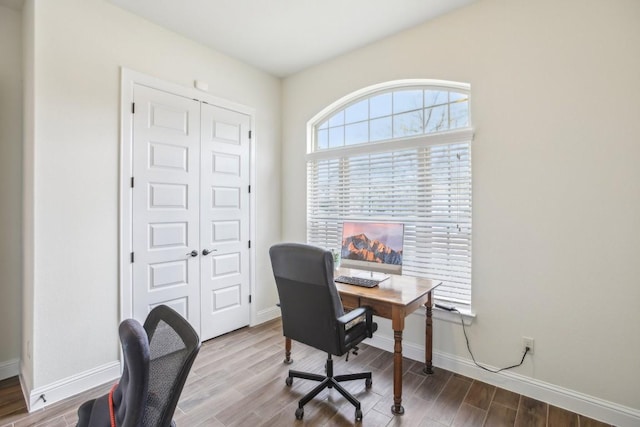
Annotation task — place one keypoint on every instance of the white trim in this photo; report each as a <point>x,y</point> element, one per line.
<point>25,380</point>
<point>266,315</point>
<point>396,144</point>
<point>128,78</point>
<point>72,385</point>
<point>450,316</point>
<point>254,318</point>
<point>125,243</point>
<point>574,401</point>
<point>9,368</point>
<point>593,407</point>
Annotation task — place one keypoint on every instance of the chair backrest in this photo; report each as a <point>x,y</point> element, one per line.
<point>173,346</point>
<point>130,395</point>
<point>309,300</point>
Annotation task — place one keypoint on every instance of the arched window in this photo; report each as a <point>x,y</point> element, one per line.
<point>398,152</point>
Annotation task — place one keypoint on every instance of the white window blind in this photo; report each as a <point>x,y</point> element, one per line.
<point>422,181</point>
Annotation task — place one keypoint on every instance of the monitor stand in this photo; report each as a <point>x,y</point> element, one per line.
<point>363,274</point>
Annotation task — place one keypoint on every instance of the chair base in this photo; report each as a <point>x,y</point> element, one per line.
<point>329,381</point>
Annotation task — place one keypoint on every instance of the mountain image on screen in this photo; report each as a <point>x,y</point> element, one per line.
<point>361,248</point>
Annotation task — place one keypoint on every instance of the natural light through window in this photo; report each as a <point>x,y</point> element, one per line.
<point>398,152</point>
<point>397,114</point>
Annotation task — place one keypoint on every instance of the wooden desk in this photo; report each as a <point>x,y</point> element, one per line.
<point>394,299</point>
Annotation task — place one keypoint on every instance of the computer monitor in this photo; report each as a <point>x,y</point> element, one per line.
<point>372,246</point>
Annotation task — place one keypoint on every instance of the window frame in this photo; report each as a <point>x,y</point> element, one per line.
<point>379,89</point>
<point>418,142</point>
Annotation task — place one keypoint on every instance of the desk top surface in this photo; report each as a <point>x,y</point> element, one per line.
<point>400,290</point>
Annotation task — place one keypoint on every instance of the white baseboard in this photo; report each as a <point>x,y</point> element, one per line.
<point>83,381</point>
<point>25,380</point>
<point>9,369</point>
<point>592,407</point>
<point>44,396</point>
<point>266,315</point>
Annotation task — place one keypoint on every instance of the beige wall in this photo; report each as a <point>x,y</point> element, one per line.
<point>555,94</point>
<point>556,198</point>
<point>79,47</point>
<point>10,188</point>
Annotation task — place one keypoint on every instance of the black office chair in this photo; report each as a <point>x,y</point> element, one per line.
<point>166,354</point>
<point>312,314</point>
<point>173,346</point>
<point>128,397</point>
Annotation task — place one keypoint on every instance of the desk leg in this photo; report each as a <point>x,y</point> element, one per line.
<point>397,408</point>
<point>428,341</point>
<point>287,351</point>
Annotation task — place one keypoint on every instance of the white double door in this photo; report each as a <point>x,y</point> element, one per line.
<point>190,210</point>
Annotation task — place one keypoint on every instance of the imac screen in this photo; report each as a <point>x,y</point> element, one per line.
<point>372,246</point>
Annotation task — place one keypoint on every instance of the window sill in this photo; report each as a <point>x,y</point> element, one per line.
<point>465,314</point>
<point>451,316</point>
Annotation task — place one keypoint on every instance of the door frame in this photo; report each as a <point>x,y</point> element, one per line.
<point>129,78</point>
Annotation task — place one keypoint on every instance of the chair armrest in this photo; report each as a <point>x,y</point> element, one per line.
<point>352,315</point>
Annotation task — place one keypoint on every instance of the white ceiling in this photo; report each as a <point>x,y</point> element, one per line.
<point>286,36</point>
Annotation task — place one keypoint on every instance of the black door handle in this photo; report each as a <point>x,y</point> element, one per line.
<point>207,251</point>
<point>193,253</point>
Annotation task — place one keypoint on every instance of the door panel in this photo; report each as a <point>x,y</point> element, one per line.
<point>191,170</point>
<point>166,168</point>
<point>224,226</point>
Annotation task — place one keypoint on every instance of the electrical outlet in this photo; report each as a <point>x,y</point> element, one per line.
<point>527,342</point>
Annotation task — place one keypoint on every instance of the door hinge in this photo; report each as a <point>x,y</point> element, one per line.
<point>249,189</point>
<point>132,182</point>
<point>250,134</point>
<point>249,244</point>
<point>133,108</point>
<point>249,299</point>
<point>132,257</point>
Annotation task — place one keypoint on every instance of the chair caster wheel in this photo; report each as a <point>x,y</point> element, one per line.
<point>299,413</point>
<point>288,381</point>
<point>358,415</point>
<point>368,382</point>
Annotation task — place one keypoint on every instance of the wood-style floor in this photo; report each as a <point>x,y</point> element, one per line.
<point>238,380</point>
